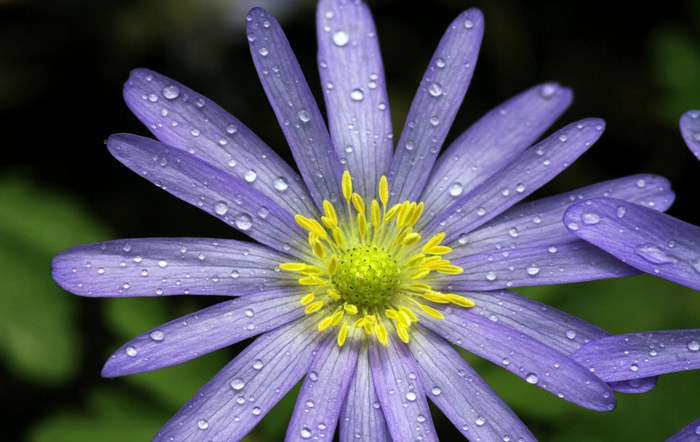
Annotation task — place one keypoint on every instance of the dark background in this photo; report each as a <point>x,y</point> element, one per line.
<point>62,66</point>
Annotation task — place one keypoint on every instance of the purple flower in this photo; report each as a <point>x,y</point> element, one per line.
<point>371,261</point>
<point>643,238</point>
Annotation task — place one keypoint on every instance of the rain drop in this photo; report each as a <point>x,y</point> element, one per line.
<point>411,396</point>
<point>491,276</point>
<point>243,221</point>
<point>131,351</point>
<point>435,89</point>
<point>654,255</point>
<point>258,364</point>
<point>548,90</point>
<point>436,391</point>
<point>621,212</point>
<point>357,95</point>
<point>340,38</point>
<point>693,345</point>
<point>171,92</point>
<point>468,24</point>
<point>304,116</point>
<point>157,335</point>
<point>237,384</point>
<point>305,433</point>
<point>202,424</point>
<point>250,176</point>
<point>533,270</point>
<point>532,378</point>
<point>257,411</point>
<point>570,334</point>
<point>162,263</point>
<point>220,207</point>
<point>455,189</point>
<point>480,421</point>
<point>590,218</point>
<point>281,184</point>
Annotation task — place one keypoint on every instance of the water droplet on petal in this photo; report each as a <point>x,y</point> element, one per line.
<point>220,207</point>
<point>237,384</point>
<point>533,270</point>
<point>654,255</point>
<point>357,95</point>
<point>480,421</point>
<point>305,433</point>
<point>250,176</point>
<point>532,378</point>
<point>281,184</point>
<point>243,221</point>
<point>491,276</point>
<point>411,396</point>
<point>621,212</point>
<point>435,89</point>
<point>436,391</point>
<point>468,24</point>
<point>590,218</point>
<point>257,411</point>
<point>258,364</point>
<point>202,424</point>
<point>171,92</point>
<point>548,90</point>
<point>340,38</point>
<point>131,351</point>
<point>693,345</point>
<point>157,335</point>
<point>455,189</point>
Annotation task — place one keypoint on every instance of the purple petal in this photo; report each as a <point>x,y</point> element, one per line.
<point>538,223</point>
<point>525,174</point>
<point>235,400</point>
<point>491,143</point>
<point>206,187</point>
<point>527,358</point>
<point>205,331</point>
<point>638,355</point>
<point>400,392</point>
<point>170,266</point>
<point>635,386</point>
<point>352,76</point>
<point>436,103</point>
<point>465,398</point>
<point>690,130</point>
<point>295,107</point>
<point>321,396</point>
<point>543,265</point>
<point>643,238</point>
<point>362,413</point>
<point>691,433</point>
<point>184,119</point>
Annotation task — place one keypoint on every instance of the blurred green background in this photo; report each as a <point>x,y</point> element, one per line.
<point>62,65</point>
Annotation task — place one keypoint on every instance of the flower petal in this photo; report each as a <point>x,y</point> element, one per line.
<point>690,130</point>
<point>491,143</point>
<point>206,187</point>
<point>353,83</point>
<point>184,119</point>
<point>635,386</point>
<point>170,266</point>
<point>433,110</point>
<point>235,400</point>
<point>362,413</point>
<point>400,392</point>
<point>465,398</point>
<point>204,331</point>
<point>295,107</point>
<point>690,433</point>
<point>321,397</point>
<point>527,358</point>
<point>539,222</point>
<point>643,238</point>
<point>556,264</point>
<point>525,174</point>
<point>638,355</point>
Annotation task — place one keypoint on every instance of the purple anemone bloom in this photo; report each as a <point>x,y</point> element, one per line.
<point>646,239</point>
<point>372,259</point>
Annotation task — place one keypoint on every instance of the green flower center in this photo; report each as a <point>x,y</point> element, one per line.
<point>367,276</point>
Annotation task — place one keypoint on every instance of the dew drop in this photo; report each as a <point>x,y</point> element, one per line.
<point>693,345</point>
<point>513,232</point>
<point>570,334</point>
<point>340,38</point>
<point>532,378</point>
<point>621,212</point>
<point>263,51</point>
<point>590,218</point>
<point>202,424</point>
<point>162,263</point>
<point>548,90</point>
<point>249,313</point>
<point>411,396</point>
<point>313,376</point>
<point>491,276</point>
<point>243,221</point>
<point>258,364</point>
<point>533,270</point>
<point>305,433</point>
<point>357,95</point>
<point>231,128</point>
<point>455,189</point>
<point>304,116</point>
<point>436,391</point>
<point>257,411</point>
<point>280,184</point>
<point>250,176</point>
<point>480,421</point>
<point>220,207</point>
<point>468,24</point>
<point>157,335</point>
<point>634,367</point>
<point>435,89</point>
<point>171,92</point>
<point>131,351</point>
<point>654,255</point>
<point>237,384</point>
<point>572,226</point>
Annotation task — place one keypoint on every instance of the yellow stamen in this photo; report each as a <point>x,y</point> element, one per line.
<point>383,190</point>
<point>343,334</point>
<point>347,185</point>
<point>460,300</point>
<point>313,307</point>
<point>307,298</point>
<point>431,311</point>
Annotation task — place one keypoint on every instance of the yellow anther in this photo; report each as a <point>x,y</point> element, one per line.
<point>418,287</point>
<point>347,185</point>
<point>460,300</point>
<point>313,307</point>
<point>420,274</point>
<point>402,318</point>
<point>332,265</point>
<point>402,235</point>
<point>434,241</point>
<point>403,214</point>
<point>391,314</point>
<point>325,323</point>
<point>414,260</point>
<point>311,225</point>
<point>383,190</point>
<point>436,297</point>
<point>350,308</point>
<point>337,317</point>
<point>339,238</point>
<point>307,298</point>
<point>381,334</point>
<point>312,280</point>
<point>292,266</point>
<point>416,214</point>
<point>330,211</point>
<point>439,250</point>
<point>402,332</point>
<point>329,223</point>
<point>318,249</point>
<point>450,269</point>
<point>343,334</point>
<point>361,224</point>
<point>411,239</point>
<point>358,203</point>
<point>392,212</point>
<point>375,213</point>
<point>411,316</point>
<point>333,294</point>
<point>431,311</point>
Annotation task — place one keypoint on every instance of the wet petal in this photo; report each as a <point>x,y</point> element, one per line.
<point>690,130</point>
<point>491,143</point>
<point>432,112</point>
<point>555,264</point>
<point>528,172</point>
<point>206,187</point>
<point>235,400</point>
<point>362,414</point>
<point>539,222</point>
<point>527,358</point>
<point>295,107</point>
<point>352,76</point>
<point>688,434</point>
<point>643,238</point>
<point>321,397</point>
<point>400,392</point>
<point>638,355</point>
<point>465,398</point>
<point>182,118</point>
<point>170,266</point>
<point>204,331</point>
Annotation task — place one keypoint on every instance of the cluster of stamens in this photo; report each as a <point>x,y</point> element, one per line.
<point>371,266</point>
